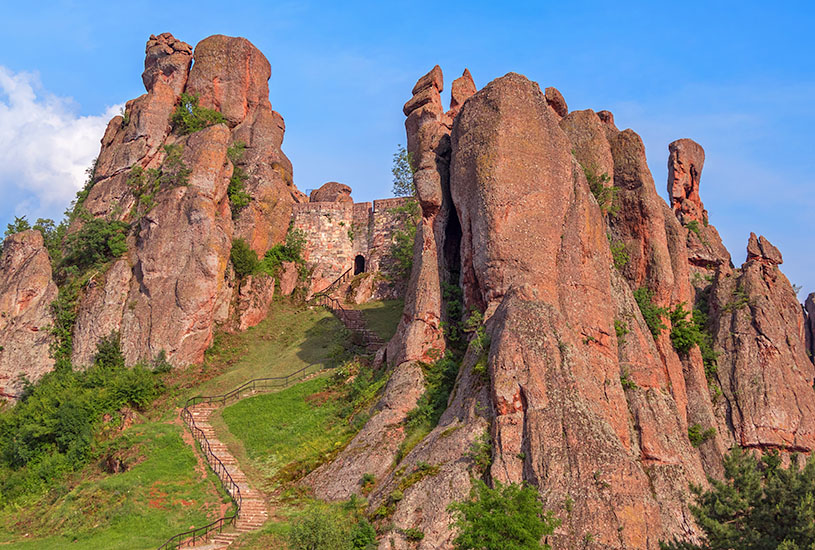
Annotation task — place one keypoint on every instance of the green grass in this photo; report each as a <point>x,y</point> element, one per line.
<point>382,317</point>
<point>287,433</point>
<point>290,338</point>
<point>160,496</point>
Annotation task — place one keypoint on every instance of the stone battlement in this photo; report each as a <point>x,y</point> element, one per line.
<point>345,235</point>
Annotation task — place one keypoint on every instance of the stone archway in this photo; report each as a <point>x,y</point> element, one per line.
<point>359,264</point>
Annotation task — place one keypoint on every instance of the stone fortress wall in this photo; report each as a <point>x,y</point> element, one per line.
<point>342,235</point>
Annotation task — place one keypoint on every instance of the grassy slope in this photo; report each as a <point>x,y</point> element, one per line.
<point>140,508</point>
<point>382,317</point>
<point>115,511</point>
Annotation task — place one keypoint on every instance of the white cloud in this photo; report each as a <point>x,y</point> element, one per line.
<point>45,147</point>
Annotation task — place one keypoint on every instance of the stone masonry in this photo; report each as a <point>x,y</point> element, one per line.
<point>343,235</point>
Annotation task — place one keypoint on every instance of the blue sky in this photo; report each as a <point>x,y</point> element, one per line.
<point>738,77</point>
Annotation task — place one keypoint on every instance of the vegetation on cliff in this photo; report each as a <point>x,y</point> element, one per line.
<point>759,504</point>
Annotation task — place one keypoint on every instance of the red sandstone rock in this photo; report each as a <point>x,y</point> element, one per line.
<point>685,163</point>
<point>555,100</point>
<point>587,135</point>
<point>175,284</point>
<point>764,373</point>
<point>230,75</point>
<point>760,249</point>
<point>433,79</point>
<point>166,59</point>
<point>288,278</point>
<point>255,295</point>
<point>331,192</point>
<point>26,293</point>
<point>462,88</point>
<point>809,328</point>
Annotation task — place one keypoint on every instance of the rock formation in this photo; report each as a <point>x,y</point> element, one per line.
<point>686,159</point>
<point>174,285</point>
<point>26,293</point>
<point>764,372</point>
<point>331,192</point>
<point>809,311</point>
<point>580,398</point>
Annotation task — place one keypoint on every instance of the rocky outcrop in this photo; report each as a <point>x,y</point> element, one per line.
<point>764,373</point>
<point>331,192</point>
<point>461,89</point>
<point>686,159</point>
<point>26,293</point>
<point>174,286</point>
<point>685,163</point>
<point>555,100</point>
<point>255,295</point>
<point>420,335</point>
<point>809,311</point>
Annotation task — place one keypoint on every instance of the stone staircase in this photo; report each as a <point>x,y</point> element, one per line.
<point>254,510</point>
<point>354,320</point>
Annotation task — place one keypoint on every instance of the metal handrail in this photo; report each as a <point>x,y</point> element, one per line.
<point>233,490</point>
<point>338,281</point>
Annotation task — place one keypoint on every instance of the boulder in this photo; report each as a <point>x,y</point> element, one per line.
<point>255,295</point>
<point>289,276</point>
<point>331,192</point>
<point>555,100</point>
<point>26,293</point>
<point>166,59</point>
<point>462,88</point>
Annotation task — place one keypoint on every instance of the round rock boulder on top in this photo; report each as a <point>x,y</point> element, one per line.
<point>331,192</point>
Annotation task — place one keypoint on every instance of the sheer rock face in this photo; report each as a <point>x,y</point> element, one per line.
<point>462,88</point>
<point>419,336</point>
<point>764,372</point>
<point>175,285</point>
<point>26,293</point>
<point>331,192</point>
<point>809,316</point>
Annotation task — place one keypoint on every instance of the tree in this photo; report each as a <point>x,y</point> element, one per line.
<point>759,505</point>
<point>508,517</point>
<point>20,224</point>
<point>403,171</point>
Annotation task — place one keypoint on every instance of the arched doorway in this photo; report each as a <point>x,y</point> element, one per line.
<point>359,265</point>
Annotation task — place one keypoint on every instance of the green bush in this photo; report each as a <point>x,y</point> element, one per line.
<point>363,536</point>
<point>244,259</point>
<point>291,251</point>
<point>98,241</point>
<point>318,529</point>
<point>236,190</point>
<point>650,312</point>
<point>401,250</point>
<point>686,333</point>
<point>697,435</point>
<point>605,194</point>
<point>619,254</point>
<point>508,517</point>
<point>145,184</point>
<point>189,117</point>
<point>759,504</point>
<point>50,431</point>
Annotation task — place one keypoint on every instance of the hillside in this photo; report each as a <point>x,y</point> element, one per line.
<point>563,326</point>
